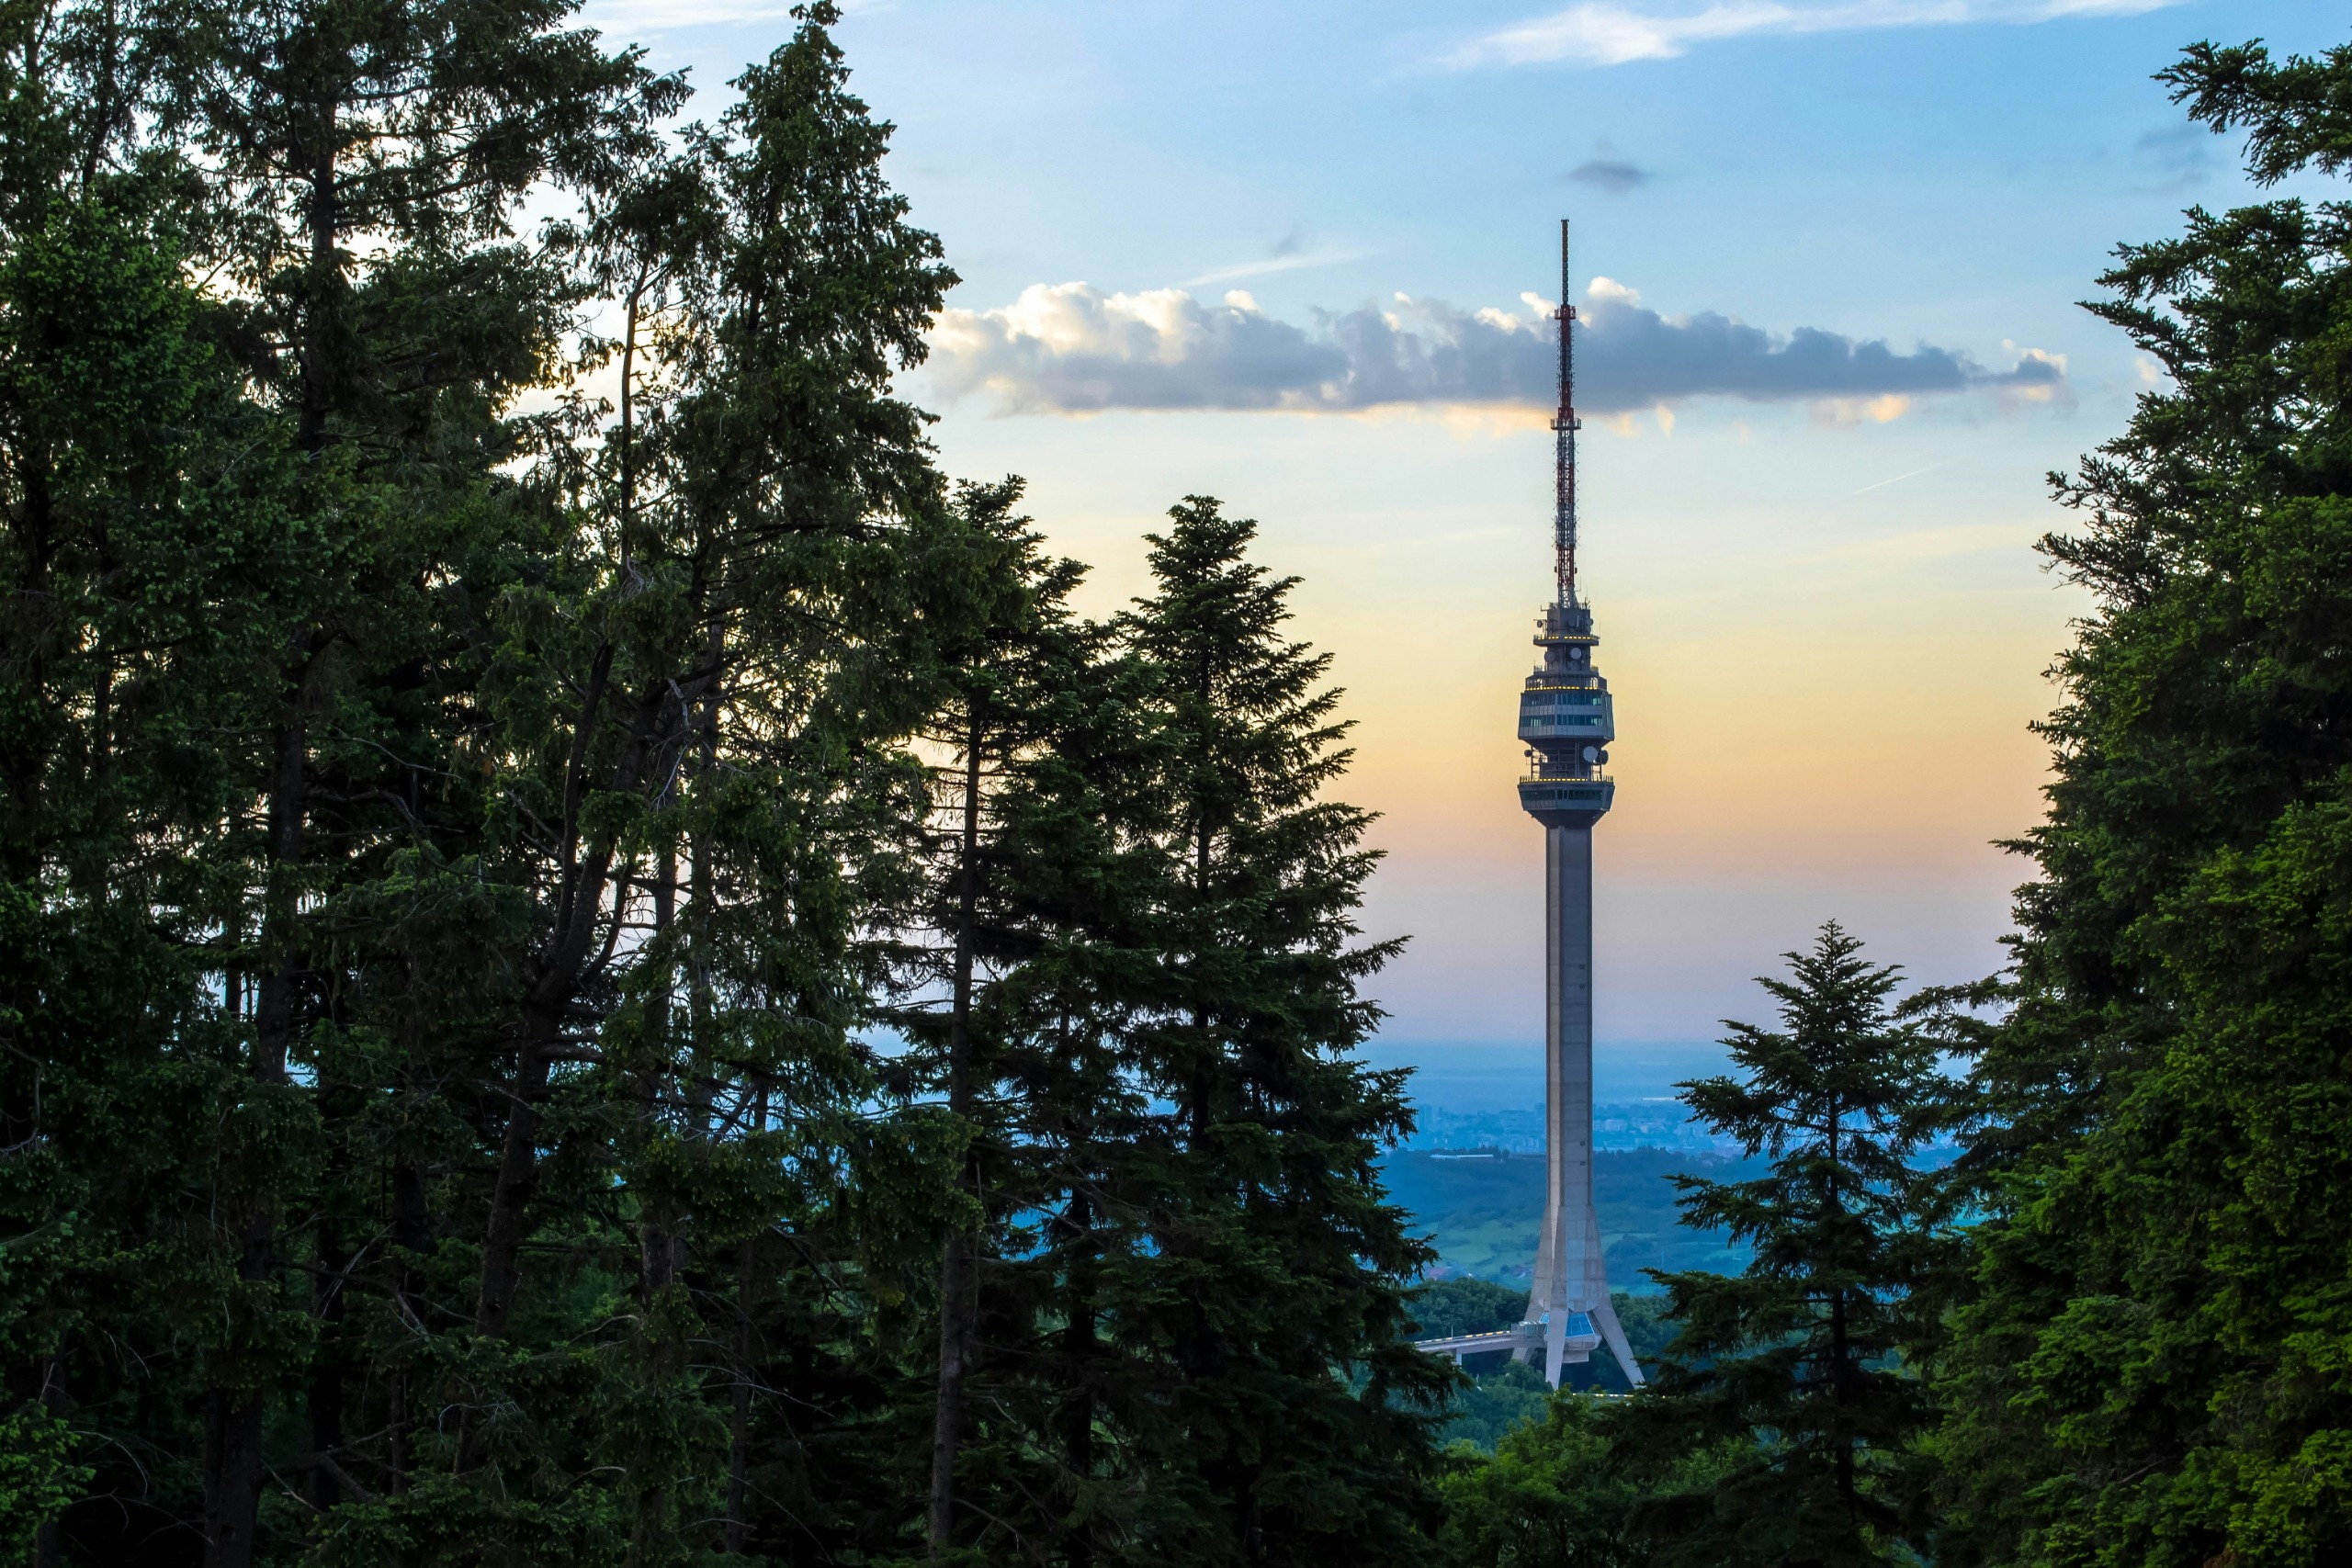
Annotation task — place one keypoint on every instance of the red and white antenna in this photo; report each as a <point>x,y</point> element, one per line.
<point>1564,425</point>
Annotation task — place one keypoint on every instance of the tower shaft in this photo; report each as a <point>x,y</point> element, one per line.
<point>1569,1292</point>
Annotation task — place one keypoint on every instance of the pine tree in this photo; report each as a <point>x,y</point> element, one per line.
<point>1802,1354</point>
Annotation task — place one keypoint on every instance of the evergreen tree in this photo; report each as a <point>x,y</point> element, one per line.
<point>693,705</point>
<point>362,733</point>
<point>2146,1373</point>
<point>1802,1354</point>
<point>143,499</point>
<point>449,854</point>
<point>1020,1020</point>
<point>363,167</point>
<point>1297,1421</point>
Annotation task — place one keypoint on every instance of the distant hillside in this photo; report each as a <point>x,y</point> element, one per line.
<point>1483,1211</point>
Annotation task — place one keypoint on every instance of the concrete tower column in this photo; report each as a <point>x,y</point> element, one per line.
<point>1568,719</point>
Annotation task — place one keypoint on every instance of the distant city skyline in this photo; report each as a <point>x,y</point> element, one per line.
<point>1830,255</point>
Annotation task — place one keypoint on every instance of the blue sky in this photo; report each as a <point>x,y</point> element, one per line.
<point>1281,254</point>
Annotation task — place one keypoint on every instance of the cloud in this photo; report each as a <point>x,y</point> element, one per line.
<point>1072,348</point>
<point>1613,175</point>
<point>1603,32</point>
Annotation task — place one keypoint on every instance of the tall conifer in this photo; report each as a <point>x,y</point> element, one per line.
<point>1294,1416</point>
<point>1798,1360</point>
<point>1029,835</point>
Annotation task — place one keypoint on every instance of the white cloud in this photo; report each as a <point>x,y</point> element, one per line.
<point>1072,348</point>
<point>1603,32</point>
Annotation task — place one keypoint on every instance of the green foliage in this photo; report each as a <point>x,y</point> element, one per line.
<point>455,862</point>
<point>1574,1487</point>
<point>38,1476</point>
<point>1443,1308</point>
<point>1277,1267</point>
<point>1499,1398</point>
<point>1799,1360</point>
<point>1559,1493</point>
<point>2147,1370</point>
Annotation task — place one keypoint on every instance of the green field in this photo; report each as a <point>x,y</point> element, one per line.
<point>1483,1211</point>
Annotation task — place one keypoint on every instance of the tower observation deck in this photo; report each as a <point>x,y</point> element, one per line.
<point>1567,719</point>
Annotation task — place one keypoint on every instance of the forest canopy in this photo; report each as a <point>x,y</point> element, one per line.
<point>602,969</point>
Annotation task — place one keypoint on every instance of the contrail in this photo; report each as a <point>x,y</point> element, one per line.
<point>1912,475</point>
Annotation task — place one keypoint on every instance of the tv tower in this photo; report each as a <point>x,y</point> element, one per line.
<point>1566,721</point>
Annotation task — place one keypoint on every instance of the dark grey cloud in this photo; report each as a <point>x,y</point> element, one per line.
<point>1613,175</point>
<point>1074,349</point>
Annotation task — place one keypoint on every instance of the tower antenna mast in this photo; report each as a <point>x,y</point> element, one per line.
<point>1564,425</point>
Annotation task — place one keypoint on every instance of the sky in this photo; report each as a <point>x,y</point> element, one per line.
<point>1828,255</point>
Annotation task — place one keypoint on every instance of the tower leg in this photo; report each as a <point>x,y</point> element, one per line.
<point>1604,1317</point>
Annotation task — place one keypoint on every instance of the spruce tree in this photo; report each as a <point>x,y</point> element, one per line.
<point>1803,1353</point>
<point>1295,1420</point>
<point>1000,685</point>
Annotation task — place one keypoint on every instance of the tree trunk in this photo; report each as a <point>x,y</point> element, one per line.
<point>657,1258</point>
<point>326,1393</point>
<point>583,878</point>
<point>518,1172</point>
<point>1078,1384</point>
<point>958,1266</point>
<point>739,1416</point>
<point>411,1236</point>
<point>47,1543</point>
<point>232,1471</point>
